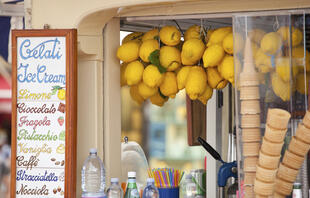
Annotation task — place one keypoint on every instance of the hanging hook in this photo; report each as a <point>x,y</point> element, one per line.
<point>276,24</point>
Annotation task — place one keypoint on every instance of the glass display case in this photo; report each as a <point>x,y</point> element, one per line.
<point>272,68</point>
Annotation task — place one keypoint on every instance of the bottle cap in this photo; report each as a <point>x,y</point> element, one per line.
<point>114,180</point>
<point>92,150</point>
<point>189,176</point>
<point>132,174</point>
<point>150,180</point>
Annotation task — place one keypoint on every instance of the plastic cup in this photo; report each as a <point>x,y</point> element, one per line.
<point>168,192</point>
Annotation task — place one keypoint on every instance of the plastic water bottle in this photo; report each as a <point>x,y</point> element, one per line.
<point>115,191</point>
<point>150,190</point>
<point>93,176</point>
<point>132,190</point>
<point>188,187</point>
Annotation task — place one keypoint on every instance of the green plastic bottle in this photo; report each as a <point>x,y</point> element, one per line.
<point>132,190</point>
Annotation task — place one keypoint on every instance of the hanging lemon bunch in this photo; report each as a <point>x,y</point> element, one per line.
<point>286,69</point>
<point>158,64</point>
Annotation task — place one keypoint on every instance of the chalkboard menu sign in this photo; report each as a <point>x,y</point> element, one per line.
<point>44,73</point>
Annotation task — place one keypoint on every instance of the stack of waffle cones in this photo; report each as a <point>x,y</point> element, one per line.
<point>250,119</point>
<point>293,158</point>
<point>270,153</point>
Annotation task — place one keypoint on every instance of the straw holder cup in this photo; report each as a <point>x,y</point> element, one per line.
<point>169,192</point>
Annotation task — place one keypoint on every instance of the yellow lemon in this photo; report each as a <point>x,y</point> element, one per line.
<point>135,36</point>
<point>170,58</point>
<point>218,35</point>
<point>169,85</point>
<point>271,43</point>
<point>209,32</point>
<point>298,57</point>
<point>152,34</point>
<point>128,51</point>
<point>170,35</point>
<point>207,94</point>
<point>213,55</point>
<point>284,31</point>
<point>301,84</point>
<point>147,47</point>
<point>283,69</point>
<point>61,94</point>
<point>196,82</point>
<point>228,43</point>
<point>262,61</point>
<point>146,91</point>
<point>135,95</point>
<point>192,51</point>
<point>134,72</point>
<point>151,76</point>
<point>182,76</point>
<point>215,80</point>
<point>297,35</point>
<point>256,35</point>
<point>158,100</point>
<point>226,68</point>
<point>281,88</point>
<point>122,77</point>
<point>193,32</point>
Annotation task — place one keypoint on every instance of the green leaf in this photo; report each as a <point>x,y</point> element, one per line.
<point>154,59</point>
<point>57,87</point>
<point>54,91</point>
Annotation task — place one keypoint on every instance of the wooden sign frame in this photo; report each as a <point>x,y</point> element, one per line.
<point>70,104</point>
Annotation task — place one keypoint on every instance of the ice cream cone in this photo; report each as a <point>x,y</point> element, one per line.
<point>292,160</point>
<point>306,120</point>
<point>303,133</point>
<point>249,93</point>
<point>283,187</point>
<point>268,161</point>
<point>251,135</point>
<point>249,191</point>
<point>251,149</point>
<point>266,175</point>
<point>250,107</point>
<point>277,195</point>
<point>274,135</point>
<point>263,188</point>
<point>249,178</point>
<point>287,174</point>
<point>298,147</point>
<point>249,79</point>
<point>271,148</point>
<point>278,118</point>
<point>250,164</point>
<point>250,121</point>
